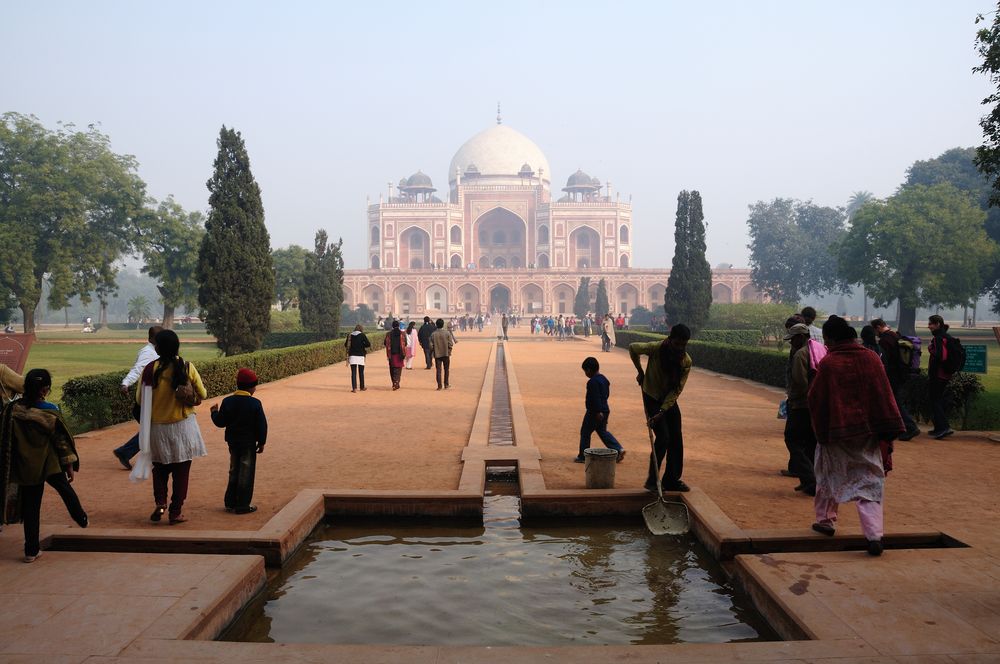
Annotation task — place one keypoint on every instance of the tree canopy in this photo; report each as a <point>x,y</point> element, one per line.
<point>689,288</point>
<point>289,266</point>
<point>322,290</point>
<point>926,245</point>
<point>601,304</point>
<point>581,303</point>
<point>170,247</point>
<point>68,211</point>
<point>234,263</point>
<point>792,248</point>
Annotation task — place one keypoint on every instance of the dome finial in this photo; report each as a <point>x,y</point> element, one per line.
<point>499,121</point>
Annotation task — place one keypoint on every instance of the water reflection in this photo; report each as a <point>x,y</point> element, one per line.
<point>499,584</point>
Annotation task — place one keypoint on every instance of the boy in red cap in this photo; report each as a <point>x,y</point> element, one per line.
<point>246,432</point>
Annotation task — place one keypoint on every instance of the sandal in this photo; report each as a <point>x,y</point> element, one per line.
<point>158,513</point>
<point>180,518</point>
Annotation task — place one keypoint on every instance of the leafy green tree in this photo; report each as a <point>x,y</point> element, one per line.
<point>171,243</point>
<point>323,288</point>
<point>641,316</point>
<point>923,246</point>
<point>68,209</point>
<point>857,201</point>
<point>689,287</point>
<point>581,304</point>
<point>234,263</point>
<point>601,304</point>
<point>792,248</point>
<point>289,266</point>
<point>138,309</point>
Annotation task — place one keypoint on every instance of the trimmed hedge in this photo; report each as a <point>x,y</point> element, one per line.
<point>768,367</point>
<point>286,339</point>
<point>95,401</point>
<point>732,337</point>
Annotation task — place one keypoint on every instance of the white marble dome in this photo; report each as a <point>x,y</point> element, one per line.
<point>499,152</point>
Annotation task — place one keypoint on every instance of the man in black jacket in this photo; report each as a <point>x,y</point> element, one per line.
<point>898,373</point>
<point>424,337</point>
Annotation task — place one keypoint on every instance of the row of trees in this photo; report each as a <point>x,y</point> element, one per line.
<point>582,304</point>
<point>932,243</point>
<point>71,209</point>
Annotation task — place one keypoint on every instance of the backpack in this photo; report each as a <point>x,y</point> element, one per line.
<point>955,355</point>
<point>909,353</point>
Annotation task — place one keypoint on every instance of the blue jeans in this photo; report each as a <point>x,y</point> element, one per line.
<point>590,425</point>
<point>129,449</point>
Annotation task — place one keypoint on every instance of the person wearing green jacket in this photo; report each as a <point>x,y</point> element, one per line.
<point>662,382</point>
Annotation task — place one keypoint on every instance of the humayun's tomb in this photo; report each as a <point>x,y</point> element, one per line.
<point>501,242</point>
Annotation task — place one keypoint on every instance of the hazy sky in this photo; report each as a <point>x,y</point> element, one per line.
<point>741,100</point>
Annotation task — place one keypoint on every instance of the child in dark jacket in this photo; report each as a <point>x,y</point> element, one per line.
<point>596,417</point>
<point>246,433</point>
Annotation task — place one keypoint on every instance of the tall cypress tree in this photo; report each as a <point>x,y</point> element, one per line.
<point>601,304</point>
<point>581,305</point>
<point>689,288</point>
<point>234,263</point>
<point>322,292</point>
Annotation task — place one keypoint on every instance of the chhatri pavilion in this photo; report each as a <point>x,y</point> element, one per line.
<point>500,240</point>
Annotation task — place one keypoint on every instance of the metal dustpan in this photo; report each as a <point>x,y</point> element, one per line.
<point>665,517</point>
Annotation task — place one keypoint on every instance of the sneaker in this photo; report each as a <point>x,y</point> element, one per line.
<point>31,559</point>
<point>875,547</point>
<point>246,510</point>
<point>578,459</point>
<point>788,473</point>
<point>650,486</point>
<point>679,485</point>
<point>909,435</point>
<point>123,461</point>
<point>158,513</point>
<point>621,456</point>
<point>942,434</point>
<point>824,529</point>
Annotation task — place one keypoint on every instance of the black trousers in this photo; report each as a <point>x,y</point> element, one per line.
<point>446,363</point>
<point>242,468</point>
<point>428,355</point>
<point>939,406</point>
<point>668,442</point>
<point>357,372</point>
<point>801,443</point>
<point>31,508</point>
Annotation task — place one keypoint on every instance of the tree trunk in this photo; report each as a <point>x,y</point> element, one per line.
<point>907,323</point>
<point>168,317</point>
<point>864,297</point>
<point>66,311</point>
<point>104,313</point>
<point>28,315</point>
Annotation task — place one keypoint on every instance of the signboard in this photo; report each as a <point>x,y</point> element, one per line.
<point>14,350</point>
<point>975,359</point>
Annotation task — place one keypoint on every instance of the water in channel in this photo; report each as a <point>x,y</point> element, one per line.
<point>423,583</point>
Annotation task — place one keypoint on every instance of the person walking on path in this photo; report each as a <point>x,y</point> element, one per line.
<point>395,351</point>
<point>424,337</point>
<point>146,355</point>
<point>11,384</point>
<point>595,417</point>
<point>503,324</point>
<point>442,341</point>
<point>852,411</point>
<point>36,448</point>
<point>608,338</point>
<point>174,388</point>
<point>662,382</point>
<point>357,344</point>
<point>799,437</point>
<point>809,316</point>
<point>412,341</point>
<point>939,372</point>
<point>897,371</point>
<point>243,418</point>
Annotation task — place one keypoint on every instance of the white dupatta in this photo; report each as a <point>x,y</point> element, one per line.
<point>142,468</point>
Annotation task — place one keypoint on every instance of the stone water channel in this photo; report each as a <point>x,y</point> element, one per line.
<point>500,583</point>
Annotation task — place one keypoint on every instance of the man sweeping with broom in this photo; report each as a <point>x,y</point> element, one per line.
<point>662,383</point>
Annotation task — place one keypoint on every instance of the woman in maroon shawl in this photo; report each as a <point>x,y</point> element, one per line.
<point>852,410</point>
<point>395,350</point>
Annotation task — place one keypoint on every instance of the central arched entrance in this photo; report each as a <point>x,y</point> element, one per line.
<point>500,298</point>
<point>501,239</point>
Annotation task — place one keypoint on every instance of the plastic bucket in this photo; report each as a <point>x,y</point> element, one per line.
<point>599,467</point>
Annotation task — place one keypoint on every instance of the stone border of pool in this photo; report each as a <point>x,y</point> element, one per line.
<point>811,629</point>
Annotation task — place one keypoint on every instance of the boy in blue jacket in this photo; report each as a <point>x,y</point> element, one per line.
<point>246,433</point>
<point>596,417</point>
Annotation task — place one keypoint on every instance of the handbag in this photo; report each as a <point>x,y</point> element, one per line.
<point>186,393</point>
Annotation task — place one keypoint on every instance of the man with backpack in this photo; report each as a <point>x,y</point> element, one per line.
<point>947,358</point>
<point>901,356</point>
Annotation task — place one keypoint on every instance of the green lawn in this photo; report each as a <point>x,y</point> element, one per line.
<point>66,361</point>
<point>106,334</point>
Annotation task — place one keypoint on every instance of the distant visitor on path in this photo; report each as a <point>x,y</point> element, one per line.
<point>852,411</point>
<point>442,343</point>
<point>175,388</point>
<point>146,355</point>
<point>357,344</point>
<point>799,437</point>
<point>608,339</point>
<point>946,358</point>
<point>596,413</point>
<point>395,351</point>
<point>662,383</point>
<point>412,342</point>
<point>424,337</point>
<point>36,448</point>
<point>242,416</point>
<point>897,358</point>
